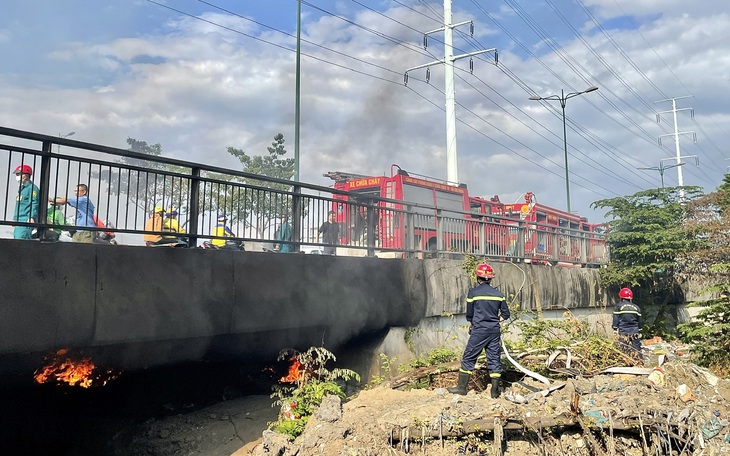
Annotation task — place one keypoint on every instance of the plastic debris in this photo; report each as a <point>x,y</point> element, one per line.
<point>600,416</point>
<point>712,427</point>
<point>685,394</point>
<point>656,377</point>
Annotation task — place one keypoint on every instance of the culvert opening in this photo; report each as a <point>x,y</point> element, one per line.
<point>106,417</point>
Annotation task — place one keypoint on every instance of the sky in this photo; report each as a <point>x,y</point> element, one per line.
<point>200,76</point>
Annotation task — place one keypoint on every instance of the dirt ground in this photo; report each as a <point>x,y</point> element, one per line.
<point>218,430</point>
<point>386,421</point>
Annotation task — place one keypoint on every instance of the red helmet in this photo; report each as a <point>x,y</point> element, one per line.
<point>23,169</point>
<point>485,271</point>
<point>626,293</point>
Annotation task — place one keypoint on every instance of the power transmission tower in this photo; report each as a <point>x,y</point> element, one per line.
<point>452,171</point>
<point>678,157</point>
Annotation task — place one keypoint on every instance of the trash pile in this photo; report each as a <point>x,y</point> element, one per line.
<point>672,407</point>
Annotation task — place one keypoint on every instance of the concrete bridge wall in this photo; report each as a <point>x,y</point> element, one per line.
<point>131,307</point>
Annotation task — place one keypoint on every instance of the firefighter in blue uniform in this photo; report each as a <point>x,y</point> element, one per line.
<point>486,309</point>
<point>627,321</point>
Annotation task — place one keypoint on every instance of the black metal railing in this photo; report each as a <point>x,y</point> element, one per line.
<point>126,187</point>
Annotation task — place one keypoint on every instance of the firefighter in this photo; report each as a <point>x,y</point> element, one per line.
<point>486,309</point>
<point>627,322</point>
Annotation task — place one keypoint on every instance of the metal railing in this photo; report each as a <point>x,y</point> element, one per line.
<point>125,188</point>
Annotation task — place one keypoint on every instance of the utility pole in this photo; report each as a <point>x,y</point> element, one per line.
<point>452,170</point>
<point>297,91</point>
<point>678,156</point>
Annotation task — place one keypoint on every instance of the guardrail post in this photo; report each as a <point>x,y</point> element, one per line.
<point>520,242</point>
<point>45,185</point>
<point>370,229</point>
<point>483,236</point>
<point>410,231</point>
<point>555,254</point>
<point>296,218</point>
<point>439,233</point>
<point>194,207</point>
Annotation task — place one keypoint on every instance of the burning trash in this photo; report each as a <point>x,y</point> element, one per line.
<point>295,370</point>
<point>62,368</point>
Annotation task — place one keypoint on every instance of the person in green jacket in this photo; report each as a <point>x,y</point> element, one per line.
<point>283,233</point>
<point>56,218</point>
<point>27,204</point>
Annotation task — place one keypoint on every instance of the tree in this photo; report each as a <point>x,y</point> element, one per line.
<point>644,238</point>
<point>149,185</point>
<point>709,220</point>
<point>257,206</point>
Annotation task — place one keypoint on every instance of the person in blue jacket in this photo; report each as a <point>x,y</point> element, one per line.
<point>486,309</point>
<point>27,203</point>
<point>84,213</point>
<point>627,322</point>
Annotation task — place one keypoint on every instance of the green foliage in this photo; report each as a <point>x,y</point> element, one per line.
<point>258,208</point>
<point>645,236</point>
<point>386,366</point>
<point>591,351</point>
<point>470,266</point>
<point>148,188</point>
<point>709,221</point>
<point>434,357</point>
<point>313,382</point>
<point>710,331</point>
<point>537,333</point>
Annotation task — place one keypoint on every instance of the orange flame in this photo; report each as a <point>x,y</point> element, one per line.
<point>63,369</point>
<point>295,371</point>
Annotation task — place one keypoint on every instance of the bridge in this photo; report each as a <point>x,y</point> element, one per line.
<point>131,306</point>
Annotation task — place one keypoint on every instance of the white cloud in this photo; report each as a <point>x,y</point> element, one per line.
<point>196,89</point>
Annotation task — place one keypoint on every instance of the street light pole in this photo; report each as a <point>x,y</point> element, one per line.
<point>563,98</point>
<point>661,168</point>
<point>71,133</point>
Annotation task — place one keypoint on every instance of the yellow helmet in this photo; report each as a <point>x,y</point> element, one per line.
<point>159,209</point>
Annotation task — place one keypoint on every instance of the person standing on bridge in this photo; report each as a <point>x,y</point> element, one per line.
<point>154,223</point>
<point>84,213</point>
<point>27,203</point>
<point>330,234</point>
<point>627,322</point>
<point>283,233</point>
<point>486,309</point>
<point>223,230</point>
<point>171,224</point>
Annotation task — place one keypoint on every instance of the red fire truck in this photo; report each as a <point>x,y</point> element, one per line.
<point>416,195</point>
<point>540,233</point>
<point>527,230</point>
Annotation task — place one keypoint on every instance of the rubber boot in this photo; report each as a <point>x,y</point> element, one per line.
<point>461,387</point>
<point>495,387</point>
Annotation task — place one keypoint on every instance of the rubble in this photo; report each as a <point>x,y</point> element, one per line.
<point>619,412</point>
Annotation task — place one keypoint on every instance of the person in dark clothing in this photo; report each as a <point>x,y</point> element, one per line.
<point>330,234</point>
<point>627,321</point>
<point>486,309</point>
